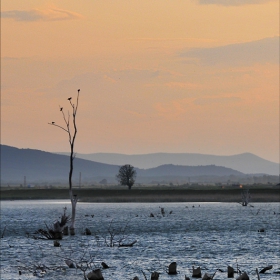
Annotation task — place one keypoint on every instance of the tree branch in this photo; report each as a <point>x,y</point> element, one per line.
<point>58,126</point>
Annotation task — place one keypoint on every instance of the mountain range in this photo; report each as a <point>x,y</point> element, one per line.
<point>39,166</point>
<point>246,163</point>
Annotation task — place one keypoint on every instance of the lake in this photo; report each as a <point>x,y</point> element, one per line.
<point>209,235</point>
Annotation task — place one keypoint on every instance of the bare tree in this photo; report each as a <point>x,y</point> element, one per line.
<point>71,138</point>
<point>246,197</point>
<point>127,175</point>
<point>117,236</point>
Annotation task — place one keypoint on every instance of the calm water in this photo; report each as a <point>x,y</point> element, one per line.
<point>209,235</point>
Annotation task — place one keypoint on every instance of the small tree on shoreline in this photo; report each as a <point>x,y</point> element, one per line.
<point>127,175</point>
<point>71,139</point>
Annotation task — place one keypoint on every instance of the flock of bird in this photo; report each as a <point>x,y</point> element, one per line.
<point>61,108</point>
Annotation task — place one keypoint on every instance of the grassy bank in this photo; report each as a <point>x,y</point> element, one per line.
<point>143,195</point>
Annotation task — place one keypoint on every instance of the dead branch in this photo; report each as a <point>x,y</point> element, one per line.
<point>2,235</point>
<point>128,244</point>
<point>266,268</point>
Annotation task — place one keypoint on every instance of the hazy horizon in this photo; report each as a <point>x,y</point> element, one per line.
<point>136,154</point>
<point>177,76</point>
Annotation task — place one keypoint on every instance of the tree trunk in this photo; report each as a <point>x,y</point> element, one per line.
<point>73,199</point>
<point>66,230</point>
<point>243,276</point>
<point>172,269</point>
<point>230,272</point>
<point>196,272</point>
<point>155,276</point>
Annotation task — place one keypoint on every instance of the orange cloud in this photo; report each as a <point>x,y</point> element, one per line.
<point>220,100</point>
<point>233,2</point>
<point>183,85</point>
<point>173,110</point>
<point>262,51</point>
<point>53,14</point>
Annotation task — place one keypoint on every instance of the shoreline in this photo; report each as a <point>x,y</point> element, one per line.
<point>143,195</point>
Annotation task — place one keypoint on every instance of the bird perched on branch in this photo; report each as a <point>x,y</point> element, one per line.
<point>78,90</point>
<point>53,122</point>
<point>61,108</point>
<point>69,98</point>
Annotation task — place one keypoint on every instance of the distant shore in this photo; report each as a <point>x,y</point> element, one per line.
<point>143,195</point>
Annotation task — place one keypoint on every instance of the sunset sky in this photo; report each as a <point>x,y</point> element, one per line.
<point>177,76</point>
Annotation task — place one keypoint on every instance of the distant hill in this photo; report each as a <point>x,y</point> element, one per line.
<point>245,163</point>
<point>43,166</point>
<point>40,166</point>
<point>188,171</point>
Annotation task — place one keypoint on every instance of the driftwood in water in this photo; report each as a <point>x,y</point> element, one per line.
<point>95,275</point>
<point>57,227</point>
<point>172,269</point>
<point>104,265</point>
<point>72,231</point>
<point>230,272</point>
<point>207,276</point>
<point>196,272</point>
<point>266,268</point>
<point>210,277</point>
<point>56,243</point>
<point>48,234</point>
<point>128,245</point>
<point>154,275</point>
<point>66,230</point>
<point>87,231</point>
<point>243,276</point>
<point>162,211</point>
<point>70,264</point>
<point>56,230</point>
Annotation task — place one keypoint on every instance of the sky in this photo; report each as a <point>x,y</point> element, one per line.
<point>175,76</point>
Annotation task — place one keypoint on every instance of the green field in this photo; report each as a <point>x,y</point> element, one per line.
<point>154,194</point>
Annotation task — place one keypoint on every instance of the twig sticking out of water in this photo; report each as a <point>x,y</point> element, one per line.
<point>212,277</point>
<point>257,271</point>
<point>144,274</point>
<point>2,235</point>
